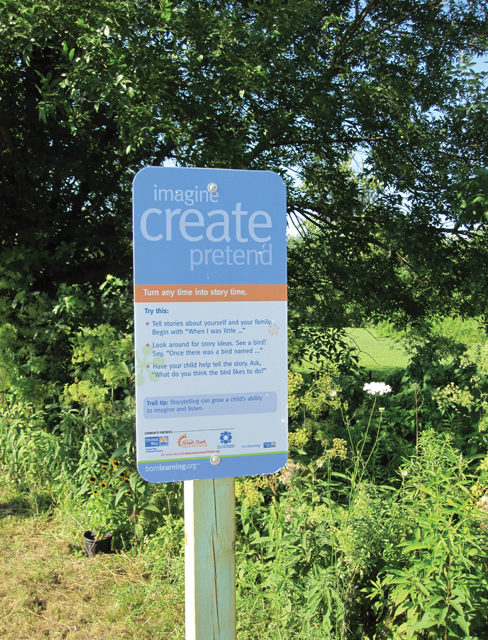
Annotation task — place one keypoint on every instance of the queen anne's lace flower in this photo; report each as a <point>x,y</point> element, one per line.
<point>377,388</point>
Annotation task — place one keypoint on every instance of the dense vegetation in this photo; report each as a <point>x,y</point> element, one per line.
<point>376,118</point>
<point>375,528</point>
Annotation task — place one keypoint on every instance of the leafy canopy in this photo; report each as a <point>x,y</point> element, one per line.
<point>371,111</point>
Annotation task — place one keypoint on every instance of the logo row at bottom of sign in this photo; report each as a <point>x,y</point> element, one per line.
<point>225,440</point>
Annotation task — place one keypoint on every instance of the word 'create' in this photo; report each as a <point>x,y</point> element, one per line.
<point>217,225</point>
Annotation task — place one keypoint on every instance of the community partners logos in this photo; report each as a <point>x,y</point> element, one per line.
<point>269,445</point>
<point>153,443</point>
<point>188,443</point>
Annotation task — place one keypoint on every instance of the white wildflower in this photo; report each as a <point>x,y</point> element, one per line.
<point>377,388</point>
<point>483,503</point>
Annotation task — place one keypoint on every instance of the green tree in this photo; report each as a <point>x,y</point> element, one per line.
<point>90,92</point>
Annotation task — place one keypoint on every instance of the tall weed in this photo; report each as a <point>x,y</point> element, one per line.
<point>434,582</point>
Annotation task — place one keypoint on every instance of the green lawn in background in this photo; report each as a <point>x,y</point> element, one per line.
<point>378,354</point>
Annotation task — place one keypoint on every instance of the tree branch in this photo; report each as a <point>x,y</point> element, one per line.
<point>350,31</point>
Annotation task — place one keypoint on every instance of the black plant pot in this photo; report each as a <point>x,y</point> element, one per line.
<point>97,545</point>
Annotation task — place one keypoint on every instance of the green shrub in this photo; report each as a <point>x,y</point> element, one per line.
<point>434,583</point>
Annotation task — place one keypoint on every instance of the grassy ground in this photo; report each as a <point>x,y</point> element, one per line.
<point>50,589</point>
<point>380,355</point>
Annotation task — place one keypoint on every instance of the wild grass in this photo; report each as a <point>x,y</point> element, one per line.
<point>51,589</point>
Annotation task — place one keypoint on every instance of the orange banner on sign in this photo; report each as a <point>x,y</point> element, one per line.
<point>210,293</point>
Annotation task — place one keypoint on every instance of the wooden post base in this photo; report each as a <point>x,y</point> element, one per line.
<point>210,559</point>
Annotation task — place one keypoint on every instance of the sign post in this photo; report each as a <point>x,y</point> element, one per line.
<point>211,356</point>
<point>210,595</point>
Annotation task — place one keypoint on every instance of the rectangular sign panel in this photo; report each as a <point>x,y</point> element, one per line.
<point>210,323</point>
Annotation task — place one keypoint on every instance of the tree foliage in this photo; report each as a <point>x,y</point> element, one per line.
<point>371,111</point>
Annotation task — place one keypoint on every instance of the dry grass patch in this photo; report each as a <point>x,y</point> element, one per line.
<point>49,589</point>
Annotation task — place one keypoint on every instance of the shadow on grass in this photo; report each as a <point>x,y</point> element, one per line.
<point>19,507</point>
<point>20,504</point>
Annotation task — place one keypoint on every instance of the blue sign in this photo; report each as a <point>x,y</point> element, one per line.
<point>209,225</point>
<point>210,323</point>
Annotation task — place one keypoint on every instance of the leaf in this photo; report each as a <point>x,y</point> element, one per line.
<point>119,451</point>
<point>120,494</point>
<point>456,604</point>
<point>133,480</point>
<point>425,622</point>
<point>413,546</point>
<point>463,623</point>
<point>400,595</point>
<point>167,11</point>
<point>153,508</point>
